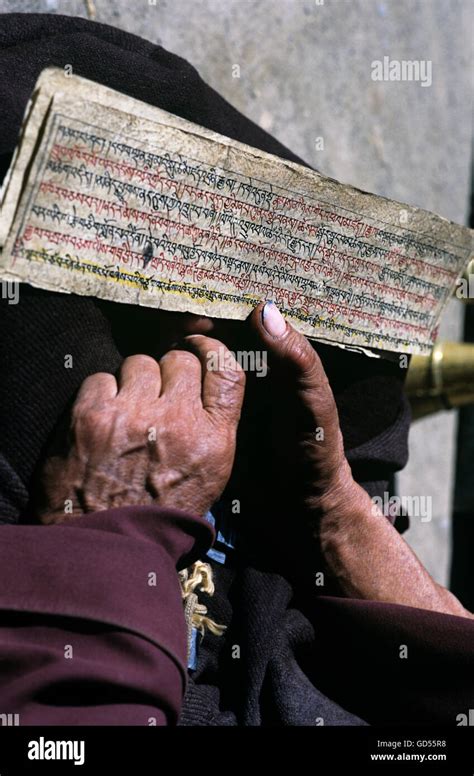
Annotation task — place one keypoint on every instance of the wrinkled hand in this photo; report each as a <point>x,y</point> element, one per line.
<point>163,433</point>
<point>365,556</point>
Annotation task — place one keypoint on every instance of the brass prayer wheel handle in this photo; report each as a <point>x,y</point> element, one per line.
<point>443,380</point>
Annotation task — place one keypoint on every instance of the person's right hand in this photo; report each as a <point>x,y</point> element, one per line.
<point>163,433</point>
<point>361,550</point>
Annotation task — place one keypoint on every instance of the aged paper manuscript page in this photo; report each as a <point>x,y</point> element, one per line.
<point>113,198</point>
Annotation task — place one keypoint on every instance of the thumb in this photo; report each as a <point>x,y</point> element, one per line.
<point>223,382</point>
<point>296,365</point>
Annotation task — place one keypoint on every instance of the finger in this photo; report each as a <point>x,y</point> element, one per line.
<point>181,374</point>
<point>97,388</point>
<point>299,366</point>
<point>140,377</point>
<point>223,382</point>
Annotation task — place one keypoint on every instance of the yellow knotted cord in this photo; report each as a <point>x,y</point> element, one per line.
<point>198,577</point>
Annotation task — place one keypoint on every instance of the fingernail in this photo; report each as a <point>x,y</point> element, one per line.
<point>273,320</point>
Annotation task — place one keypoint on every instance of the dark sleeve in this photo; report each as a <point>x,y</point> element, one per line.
<point>92,630</point>
<point>393,664</point>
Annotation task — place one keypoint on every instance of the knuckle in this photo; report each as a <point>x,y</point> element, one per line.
<point>179,359</point>
<point>98,377</point>
<point>313,377</point>
<point>306,365</point>
<point>203,343</point>
<point>301,353</point>
<point>139,361</point>
<point>233,375</point>
<point>91,385</point>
